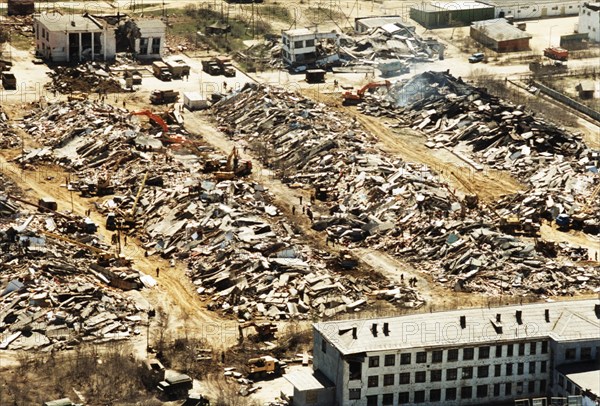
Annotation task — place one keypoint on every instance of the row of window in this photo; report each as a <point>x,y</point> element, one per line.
<point>45,34</point>
<point>452,374</point>
<point>451,394</point>
<point>300,44</point>
<point>468,354</point>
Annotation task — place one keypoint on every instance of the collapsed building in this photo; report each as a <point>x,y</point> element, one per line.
<point>372,199</point>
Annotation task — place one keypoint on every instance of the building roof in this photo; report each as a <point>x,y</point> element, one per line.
<point>308,380</point>
<point>592,6</point>
<point>298,31</point>
<point>375,22</point>
<point>568,320</point>
<point>586,86</point>
<point>586,375</point>
<point>512,3</point>
<point>500,30</point>
<point>149,23</point>
<point>459,5</point>
<point>61,22</point>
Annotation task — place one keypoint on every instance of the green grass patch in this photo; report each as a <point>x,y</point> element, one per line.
<point>275,12</point>
<point>323,14</point>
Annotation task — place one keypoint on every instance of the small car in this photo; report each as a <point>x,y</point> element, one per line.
<point>477,57</point>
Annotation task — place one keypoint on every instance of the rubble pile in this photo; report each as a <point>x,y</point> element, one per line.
<point>8,136</point>
<point>54,293</point>
<point>89,78</point>
<point>557,165</point>
<point>373,199</point>
<point>242,254</point>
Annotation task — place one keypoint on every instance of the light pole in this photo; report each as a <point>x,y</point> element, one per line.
<point>550,35</point>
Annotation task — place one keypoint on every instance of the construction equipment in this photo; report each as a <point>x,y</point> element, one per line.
<point>265,367</point>
<point>234,168</point>
<point>578,220</point>
<point>102,255</point>
<point>556,53</point>
<point>178,68</point>
<point>220,65</point>
<point>77,96</point>
<point>126,219</point>
<point>264,331</point>
<point>164,96</point>
<point>355,98</point>
<point>514,225</point>
<point>154,117</point>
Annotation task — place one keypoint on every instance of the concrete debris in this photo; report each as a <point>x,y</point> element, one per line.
<point>92,77</point>
<point>8,135</point>
<point>487,132</point>
<point>368,198</point>
<point>242,253</point>
<point>53,288</point>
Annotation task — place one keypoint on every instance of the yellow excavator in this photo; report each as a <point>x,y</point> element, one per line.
<point>235,167</point>
<point>126,219</point>
<point>264,331</point>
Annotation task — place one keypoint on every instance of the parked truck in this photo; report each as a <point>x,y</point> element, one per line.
<point>164,96</point>
<point>556,53</point>
<point>175,387</point>
<point>220,65</point>
<point>211,67</point>
<point>178,69</point>
<point>161,71</point>
<point>9,81</point>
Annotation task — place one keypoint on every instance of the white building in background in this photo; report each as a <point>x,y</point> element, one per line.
<point>524,9</point>
<point>589,21</point>
<point>307,47</point>
<point>467,357</point>
<point>72,38</point>
<point>151,43</point>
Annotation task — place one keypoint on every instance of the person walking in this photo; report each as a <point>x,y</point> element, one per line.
<point>157,272</point>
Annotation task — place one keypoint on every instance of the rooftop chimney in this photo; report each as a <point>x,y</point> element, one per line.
<point>463,321</point>
<point>597,310</point>
<point>73,23</point>
<point>498,317</point>
<point>354,336</point>
<point>547,315</point>
<point>374,329</point>
<point>519,315</point>
<point>386,329</point>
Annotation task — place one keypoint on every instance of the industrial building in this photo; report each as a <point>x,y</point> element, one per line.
<point>307,47</point>
<point>589,21</point>
<point>447,14</point>
<point>500,35</point>
<point>73,38</point>
<point>362,25</point>
<point>522,9</point>
<point>467,357</point>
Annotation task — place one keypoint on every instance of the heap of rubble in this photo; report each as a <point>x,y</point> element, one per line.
<point>88,78</point>
<point>53,292</point>
<point>8,136</point>
<point>242,253</point>
<point>373,199</point>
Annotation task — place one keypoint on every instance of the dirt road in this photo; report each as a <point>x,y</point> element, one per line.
<point>175,294</point>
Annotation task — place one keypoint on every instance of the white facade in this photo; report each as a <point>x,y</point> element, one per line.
<point>468,357</point>
<point>522,10</point>
<point>589,21</point>
<point>300,46</point>
<point>72,38</point>
<point>151,44</point>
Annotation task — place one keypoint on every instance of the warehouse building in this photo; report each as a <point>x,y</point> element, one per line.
<point>365,24</point>
<point>467,357</point>
<point>447,14</point>
<point>589,21</point>
<point>523,9</point>
<point>500,35</point>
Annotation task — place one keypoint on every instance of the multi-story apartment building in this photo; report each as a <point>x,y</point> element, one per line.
<point>467,357</point>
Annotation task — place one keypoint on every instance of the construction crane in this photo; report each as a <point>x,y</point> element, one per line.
<point>98,252</point>
<point>355,98</point>
<point>127,218</point>
<point>234,168</point>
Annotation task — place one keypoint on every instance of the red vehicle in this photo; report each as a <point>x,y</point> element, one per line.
<point>556,53</point>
